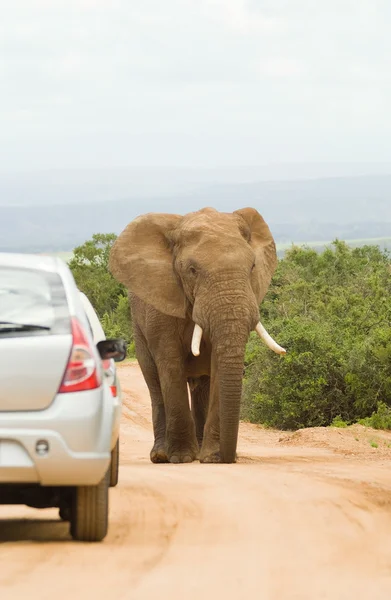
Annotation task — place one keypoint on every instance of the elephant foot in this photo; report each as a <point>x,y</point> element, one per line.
<point>210,451</point>
<point>175,459</point>
<point>158,455</point>
<point>187,455</point>
<point>212,456</point>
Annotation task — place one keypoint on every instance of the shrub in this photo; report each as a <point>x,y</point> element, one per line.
<point>332,311</point>
<point>109,298</point>
<point>338,422</point>
<point>380,419</point>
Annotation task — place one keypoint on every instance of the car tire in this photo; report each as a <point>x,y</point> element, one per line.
<point>90,511</point>
<point>114,465</point>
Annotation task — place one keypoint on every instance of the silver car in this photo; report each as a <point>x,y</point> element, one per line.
<point>59,420</point>
<point>112,381</point>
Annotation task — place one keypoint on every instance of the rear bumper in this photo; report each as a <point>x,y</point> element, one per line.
<point>77,429</point>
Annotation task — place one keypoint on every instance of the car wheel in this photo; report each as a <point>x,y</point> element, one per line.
<point>114,465</point>
<point>90,511</point>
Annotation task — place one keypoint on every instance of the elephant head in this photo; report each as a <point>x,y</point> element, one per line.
<point>213,268</point>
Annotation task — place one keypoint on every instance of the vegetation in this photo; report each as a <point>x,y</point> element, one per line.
<point>380,419</point>
<point>332,311</point>
<point>383,242</point>
<point>338,422</point>
<point>89,265</point>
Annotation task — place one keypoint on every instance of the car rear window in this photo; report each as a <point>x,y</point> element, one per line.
<point>32,302</point>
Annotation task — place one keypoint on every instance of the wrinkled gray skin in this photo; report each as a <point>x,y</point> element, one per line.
<point>209,268</point>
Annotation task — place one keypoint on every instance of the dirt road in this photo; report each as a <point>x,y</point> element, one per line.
<point>302,516</point>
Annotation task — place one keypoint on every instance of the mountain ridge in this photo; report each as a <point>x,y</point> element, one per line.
<point>297,211</point>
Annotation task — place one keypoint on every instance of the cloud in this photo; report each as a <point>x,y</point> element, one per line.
<point>238,17</point>
<point>235,70</point>
<point>283,67</point>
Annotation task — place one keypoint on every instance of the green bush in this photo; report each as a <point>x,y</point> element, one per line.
<point>338,422</point>
<point>89,266</point>
<point>117,323</point>
<point>109,298</point>
<point>332,312</point>
<point>380,419</point>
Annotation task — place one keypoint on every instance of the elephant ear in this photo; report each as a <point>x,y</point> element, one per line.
<point>258,234</point>
<point>141,259</point>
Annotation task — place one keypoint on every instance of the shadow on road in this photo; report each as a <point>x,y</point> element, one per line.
<point>33,530</point>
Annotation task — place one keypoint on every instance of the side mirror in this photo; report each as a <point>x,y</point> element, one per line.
<point>115,349</point>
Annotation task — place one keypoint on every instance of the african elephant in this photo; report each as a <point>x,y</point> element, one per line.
<point>195,283</point>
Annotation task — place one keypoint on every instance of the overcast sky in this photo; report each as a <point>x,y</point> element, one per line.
<point>93,83</point>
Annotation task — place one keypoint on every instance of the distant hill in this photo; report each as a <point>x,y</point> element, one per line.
<point>296,210</point>
<point>72,186</point>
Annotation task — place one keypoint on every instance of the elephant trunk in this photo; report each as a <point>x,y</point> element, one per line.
<point>230,389</point>
<point>227,320</point>
<point>229,350</point>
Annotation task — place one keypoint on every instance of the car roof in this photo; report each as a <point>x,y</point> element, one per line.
<point>76,299</point>
<point>48,264</point>
<point>30,261</point>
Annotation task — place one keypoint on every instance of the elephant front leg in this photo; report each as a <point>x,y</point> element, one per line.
<point>158,453</point>
<point>210,449</point>
<point>181,441</point>
<point>199,390</point>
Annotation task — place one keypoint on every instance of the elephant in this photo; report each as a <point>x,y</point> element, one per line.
<point>195,283</point>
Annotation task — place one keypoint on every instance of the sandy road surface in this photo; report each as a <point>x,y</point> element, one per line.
<point>298,517</point>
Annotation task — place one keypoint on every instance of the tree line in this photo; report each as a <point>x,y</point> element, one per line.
<point>330,310</point>
<point>89,265</point>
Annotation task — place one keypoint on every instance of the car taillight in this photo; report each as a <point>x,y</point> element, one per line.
<point>81,372</point>
<point>113,390</point>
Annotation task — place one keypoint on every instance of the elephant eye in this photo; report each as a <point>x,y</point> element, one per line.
<point>253,267</point>
<point>192,270</point>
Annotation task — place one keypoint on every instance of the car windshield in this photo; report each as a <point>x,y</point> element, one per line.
<point>30,298</point>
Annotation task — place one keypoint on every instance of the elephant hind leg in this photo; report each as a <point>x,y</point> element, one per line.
<point>199,391</point>
<point>149,370</point>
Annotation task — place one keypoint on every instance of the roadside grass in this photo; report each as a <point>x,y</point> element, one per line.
<point>380,419</point>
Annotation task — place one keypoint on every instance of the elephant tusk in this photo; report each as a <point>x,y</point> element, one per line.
<point>268,340</point>
<point>196,340</point>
